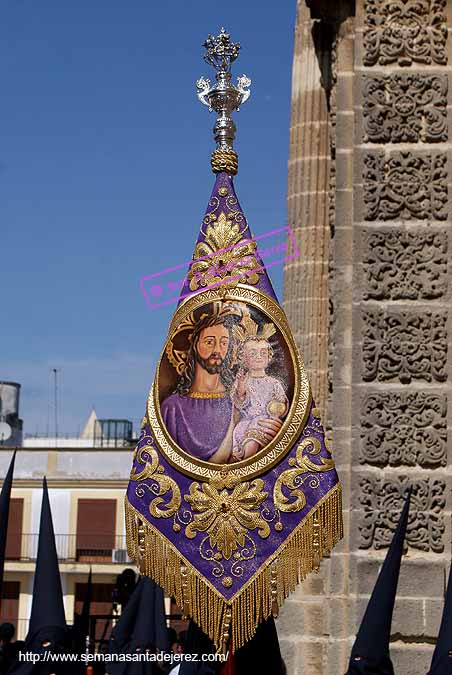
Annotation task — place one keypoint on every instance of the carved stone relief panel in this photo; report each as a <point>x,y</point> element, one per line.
<point>405,108</point>
<point>405,185</point>
<point>382,500</point>
<point>405,32</point>
<point>401,265</point>
<point>404,346</point>
<point>404,427</point>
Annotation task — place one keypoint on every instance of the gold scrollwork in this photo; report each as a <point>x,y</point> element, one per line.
<point>160,486</point>
<point>227,517</point>
<point>222,255</point>
<point>292,479</point>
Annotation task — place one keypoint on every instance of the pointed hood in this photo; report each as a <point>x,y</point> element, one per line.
<point>81,621</point>
<point>47,607</point>
<point>262,653</point>
<point>370,653</point>
<point>150,625</point>
<point>442,656</point>
<point>142,626</point>
<point>5,496</point>
<point>47,629</point>
<point>86,609</point>
<point>197,643</point>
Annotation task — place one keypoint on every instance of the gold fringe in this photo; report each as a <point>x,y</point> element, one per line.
<point>237,619</point>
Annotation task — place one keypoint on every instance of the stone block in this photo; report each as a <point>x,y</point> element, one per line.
<point>346,54</point>
<point>344,91</point>
<point>338,654</point>
<point>365,572</point>
<point>433,611</point>
<point>411,659</point>
<point>288,652</point>
<point>359,607</point>
<point>408,618</point>
<point>422,578</point>
<point>314,584</point>
<point>345,125</point>
<point>315,617</point>
<point>341,449</point>
<point>341,249</point>
<point>337,617</point>
<point>341,411</point>
<point>344,208</point>
<point>344,170</point>
<point>342,366</point>
<point>311,657</point>
<point>338,577</point>
<point>342,331</point>
<point>290,622</point>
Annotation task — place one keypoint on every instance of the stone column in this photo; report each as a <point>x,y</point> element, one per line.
<point>306,279</point>
<point>317,608</point>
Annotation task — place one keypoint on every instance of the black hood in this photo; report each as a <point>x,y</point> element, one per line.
<point>370,653</point>
<point>47,607</point>
<point>261,654</point>
<point>442,655</point>
<point>4,514</point>
<point>47,620</point>
<point>197,642</point>
<point>141,628</point>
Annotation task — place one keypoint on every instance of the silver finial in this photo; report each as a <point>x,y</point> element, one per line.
<point>223,97</point>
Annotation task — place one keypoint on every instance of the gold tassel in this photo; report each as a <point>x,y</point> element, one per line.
<point>237,619</point>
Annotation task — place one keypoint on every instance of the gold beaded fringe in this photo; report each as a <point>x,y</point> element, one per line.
<point>230,624</point>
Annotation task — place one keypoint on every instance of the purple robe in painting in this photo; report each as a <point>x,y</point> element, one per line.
<point>197,423</point>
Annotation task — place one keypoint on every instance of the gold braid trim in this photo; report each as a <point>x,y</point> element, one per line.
<point>224,160</point>
<point>231,623</point>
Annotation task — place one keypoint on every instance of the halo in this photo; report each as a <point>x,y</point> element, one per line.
<point>220,309</point>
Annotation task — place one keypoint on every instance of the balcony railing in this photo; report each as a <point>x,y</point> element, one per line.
<point>96,548</point>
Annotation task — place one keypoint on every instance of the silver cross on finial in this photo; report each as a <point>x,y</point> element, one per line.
<point>223,97</point>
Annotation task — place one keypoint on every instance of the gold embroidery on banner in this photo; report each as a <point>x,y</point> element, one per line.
<point>227,517</point>
<point>224,479</point>
<point>206,394</point>
<point>292,478</point>
<point>160,486</point>
<point>222,255</point>
<point>237,617</point>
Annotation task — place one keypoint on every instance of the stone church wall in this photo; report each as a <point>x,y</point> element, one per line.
<point>370,303</point>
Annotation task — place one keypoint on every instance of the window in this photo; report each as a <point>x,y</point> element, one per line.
<point>14,537</point>
<point>96,529</point>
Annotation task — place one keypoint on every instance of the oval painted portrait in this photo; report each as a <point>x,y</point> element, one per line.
<point>225,383</point>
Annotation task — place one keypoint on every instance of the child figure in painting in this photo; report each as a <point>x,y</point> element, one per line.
<point>254,394</point>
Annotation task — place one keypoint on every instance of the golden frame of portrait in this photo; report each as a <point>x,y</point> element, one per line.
<point>293,423</point>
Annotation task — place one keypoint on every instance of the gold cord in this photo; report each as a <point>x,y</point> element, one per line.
<point>225,160</point>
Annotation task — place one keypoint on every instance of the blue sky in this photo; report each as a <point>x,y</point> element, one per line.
<point>105,176</point>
